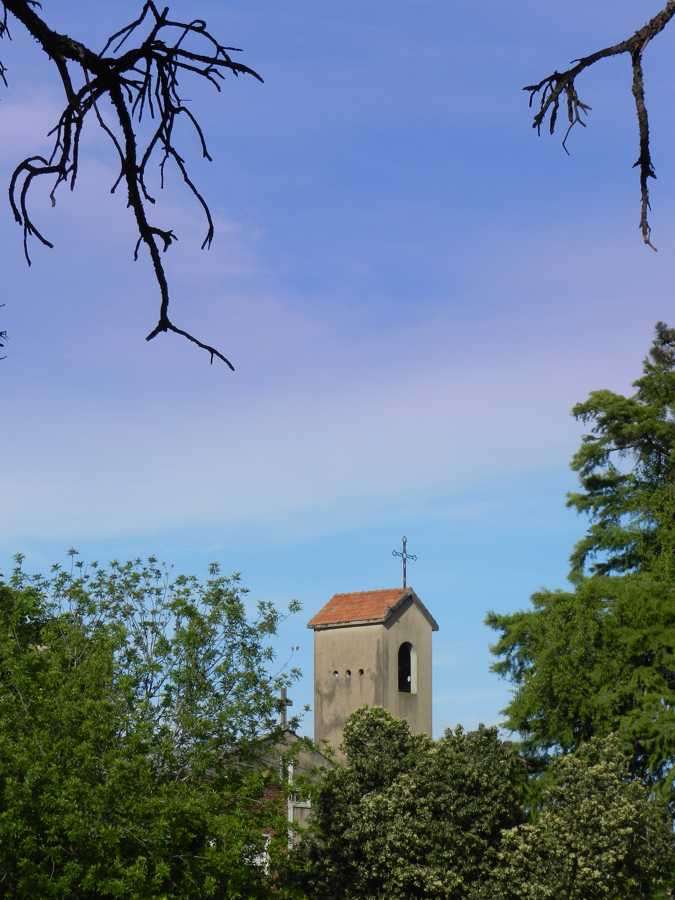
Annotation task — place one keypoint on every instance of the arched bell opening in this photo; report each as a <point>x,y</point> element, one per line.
<point>407,668</point>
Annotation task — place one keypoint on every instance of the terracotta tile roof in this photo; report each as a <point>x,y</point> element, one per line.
<point>363,606</point>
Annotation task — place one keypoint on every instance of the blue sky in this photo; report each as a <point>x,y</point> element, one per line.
<point>414,289</point>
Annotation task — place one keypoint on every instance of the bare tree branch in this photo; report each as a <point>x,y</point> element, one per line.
<point>562,85</point>
<point>3,338</point>
<point>142,81</point>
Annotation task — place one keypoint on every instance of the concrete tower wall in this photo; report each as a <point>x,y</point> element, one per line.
<point>409,625</point>
<point>357,665</point>
<point>357,654</point>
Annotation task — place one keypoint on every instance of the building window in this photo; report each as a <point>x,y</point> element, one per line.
<point>407,668</point>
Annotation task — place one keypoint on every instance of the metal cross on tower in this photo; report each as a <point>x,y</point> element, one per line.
<point>405,556</point>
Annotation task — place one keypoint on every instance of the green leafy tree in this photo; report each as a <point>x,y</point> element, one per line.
<point>601,657</point>
<point>599,836</point>
<point>406,816</point>
<point>626,467</point>
<point>136,713</point>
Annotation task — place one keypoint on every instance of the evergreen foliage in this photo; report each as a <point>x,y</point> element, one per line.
<point>131,715</point>
<point>601,658</point>
<point>626,467</point>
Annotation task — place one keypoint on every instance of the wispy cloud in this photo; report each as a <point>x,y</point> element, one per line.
<point>329,453</point>
<point>322,440</point>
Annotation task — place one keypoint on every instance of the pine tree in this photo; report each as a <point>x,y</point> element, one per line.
<point>601,658</point>
<point>626,467</point>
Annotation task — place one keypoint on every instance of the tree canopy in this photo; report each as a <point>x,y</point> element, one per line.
<point>601,657</point>
<point>405,816</point>
<point>597,836</point>
<point>409,817</point>
<point>626,467</point>
<point>136,717</point>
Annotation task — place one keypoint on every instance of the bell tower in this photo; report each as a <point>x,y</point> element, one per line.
<point>372,648</point>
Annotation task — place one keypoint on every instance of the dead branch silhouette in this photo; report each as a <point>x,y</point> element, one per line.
<point>561,86</point>
<point>137,83</point>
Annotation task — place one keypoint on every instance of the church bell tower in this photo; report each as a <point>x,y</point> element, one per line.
<point>372,648</point>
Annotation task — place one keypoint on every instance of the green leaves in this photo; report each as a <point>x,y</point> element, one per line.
<point>409,817</point>
<point>450,821</point>
<point>626,467</point>
<point>593,661</point>
<point>135,712</point>
<point>601,658</point>
<point>447,819</point>
<point>598,835</point>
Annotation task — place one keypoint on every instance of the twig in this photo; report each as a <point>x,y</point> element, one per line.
<point>3,337</point>
<point>559,85</point>
<point>140,81</point>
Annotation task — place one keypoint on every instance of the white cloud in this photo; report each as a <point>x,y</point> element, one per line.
<point>320,427</point>
<point>321,454</point>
